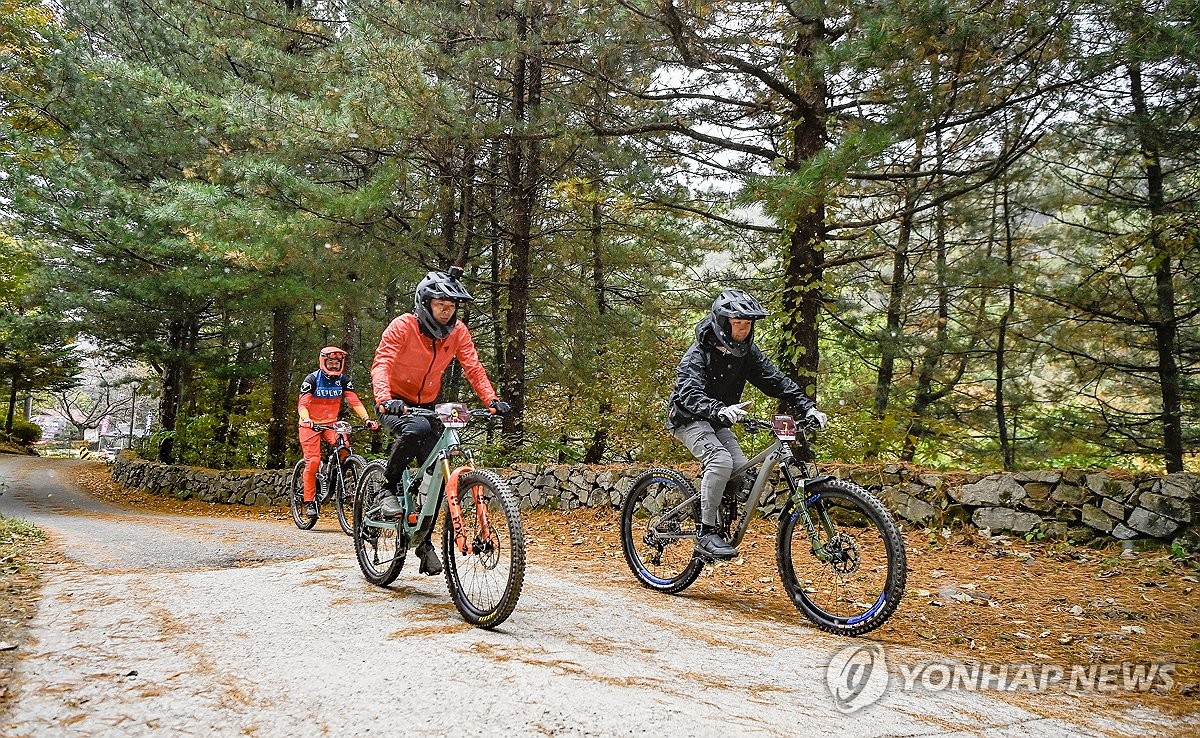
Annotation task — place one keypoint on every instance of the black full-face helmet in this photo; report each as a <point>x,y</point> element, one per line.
<point>439,286</point>
<point>735,304</point>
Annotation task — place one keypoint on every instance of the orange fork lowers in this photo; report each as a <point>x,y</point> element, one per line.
<point>456,520</point>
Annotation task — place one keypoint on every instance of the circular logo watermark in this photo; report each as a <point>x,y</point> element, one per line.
<point>857,676</point>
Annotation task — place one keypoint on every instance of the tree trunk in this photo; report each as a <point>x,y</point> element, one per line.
<point>599,443</point>
<point>172,388</point>
<point>523,173</point>
<point>889,346</point>
<point>1007,451</point>
<point>281,391</point>
<point>1166,324</point>
<point>12,404</point>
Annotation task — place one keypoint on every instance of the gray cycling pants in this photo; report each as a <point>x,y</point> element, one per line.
<point>718,450</point>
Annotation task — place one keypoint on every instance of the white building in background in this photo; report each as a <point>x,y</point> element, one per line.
<point>53,426</point>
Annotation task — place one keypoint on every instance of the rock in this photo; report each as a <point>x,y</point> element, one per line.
<point>1071,494</point>
<point>1096,518</point>
<point>864,477</point>
<point>1003,518</point>
<point>1049,478</point>
<point>1116,489</point>
<point>1038,490</point>
<point>1123,532</point>
<point>931,480</point>
<point>995,489</point>
<point>1183,485</point>
<point>1056,530</point>
<point>1037,505</point>
<point>1113,508</point>
<point>1151,523</point>
<point>913,508</point>
<point>1080,534</point>
<point>1168,507</point>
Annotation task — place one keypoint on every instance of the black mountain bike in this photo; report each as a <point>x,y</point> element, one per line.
<point>839,551</point>
<point>337,480</point>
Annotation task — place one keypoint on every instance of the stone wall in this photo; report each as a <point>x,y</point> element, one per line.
<point>248,487</point>
<point>1064,505</point>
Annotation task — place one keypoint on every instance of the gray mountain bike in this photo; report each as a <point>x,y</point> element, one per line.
<point>839,551</point>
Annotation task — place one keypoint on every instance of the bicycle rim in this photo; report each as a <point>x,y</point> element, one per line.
<point>658,531</point>
<point>303,520</point>
<point>485,582</point>
<point>855,580</point>
<point>380,550</point>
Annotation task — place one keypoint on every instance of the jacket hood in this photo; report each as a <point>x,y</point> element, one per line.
<point>707,334</point>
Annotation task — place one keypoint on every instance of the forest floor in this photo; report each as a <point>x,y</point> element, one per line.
<point>970,598</point>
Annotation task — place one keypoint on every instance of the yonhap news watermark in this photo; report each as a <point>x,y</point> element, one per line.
<point>859,676</point>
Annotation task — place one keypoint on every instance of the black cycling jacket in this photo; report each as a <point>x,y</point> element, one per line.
<point>708,379</point>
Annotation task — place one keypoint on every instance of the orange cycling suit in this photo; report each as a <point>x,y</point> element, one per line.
<point>321,397</point>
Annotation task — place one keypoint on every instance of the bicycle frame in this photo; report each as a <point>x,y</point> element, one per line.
<point>778,454</point>
<point>334,456</point>
<point>416,525</point>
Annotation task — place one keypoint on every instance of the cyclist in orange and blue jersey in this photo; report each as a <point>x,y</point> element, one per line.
<point>321,396</point>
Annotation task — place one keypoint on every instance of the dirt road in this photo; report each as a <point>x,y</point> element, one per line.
<point>170,626</point>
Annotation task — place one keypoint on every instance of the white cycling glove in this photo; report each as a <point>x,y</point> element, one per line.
<point>821,418</point>
<point>733,413</point>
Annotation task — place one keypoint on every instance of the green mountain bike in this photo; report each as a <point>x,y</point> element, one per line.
<point>483,541</point>
<point>839,551</point>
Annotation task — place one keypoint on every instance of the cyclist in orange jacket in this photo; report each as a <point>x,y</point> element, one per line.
<point>413,354</point>
<point>321,396</point>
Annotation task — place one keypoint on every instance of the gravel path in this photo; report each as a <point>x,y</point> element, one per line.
<point>176,626</point>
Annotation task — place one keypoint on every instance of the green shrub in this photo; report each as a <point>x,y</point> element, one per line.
<point>25,432</point>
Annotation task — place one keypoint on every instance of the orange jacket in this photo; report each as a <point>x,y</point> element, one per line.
<point>409,365</point>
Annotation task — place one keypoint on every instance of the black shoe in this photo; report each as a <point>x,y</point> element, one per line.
<point>430,564</point>
<point>390,507</point>
<point>713,546</point>
<point>310,509</point>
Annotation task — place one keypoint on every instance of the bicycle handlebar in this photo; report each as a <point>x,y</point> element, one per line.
<point>475,412</point>
<point>757,425</point>
<point>340,426</point>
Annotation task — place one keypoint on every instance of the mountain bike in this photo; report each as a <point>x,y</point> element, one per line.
<point>839,551</point>
<point>337,480</point>
<point>483,541</point>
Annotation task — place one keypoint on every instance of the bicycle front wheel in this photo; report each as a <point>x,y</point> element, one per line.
<point>343,495</point>
<point>658,531</point>
<point>302,519</point>
<point>486,580</point>
<point>380,549</point>
<point>849,576</point>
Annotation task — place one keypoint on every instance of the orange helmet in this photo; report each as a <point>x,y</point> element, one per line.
<point>332,361</point>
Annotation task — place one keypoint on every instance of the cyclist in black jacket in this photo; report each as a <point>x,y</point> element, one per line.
<point>706,402</point>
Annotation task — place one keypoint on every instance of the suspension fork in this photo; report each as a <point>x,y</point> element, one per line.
<point>456,517</point>
<point>800,504</point>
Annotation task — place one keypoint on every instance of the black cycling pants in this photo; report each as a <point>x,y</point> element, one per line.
<point>416,435</point>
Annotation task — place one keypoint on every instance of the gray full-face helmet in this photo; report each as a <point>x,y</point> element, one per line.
<point>439,286</point>
<point>735,304</point>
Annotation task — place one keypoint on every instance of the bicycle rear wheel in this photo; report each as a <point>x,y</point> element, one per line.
<point>486,581</point>
<point>380,549</point>
<point>658,531</point>
<point>302,519</point>
<point>853,581</point>
<point>343,496</point>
